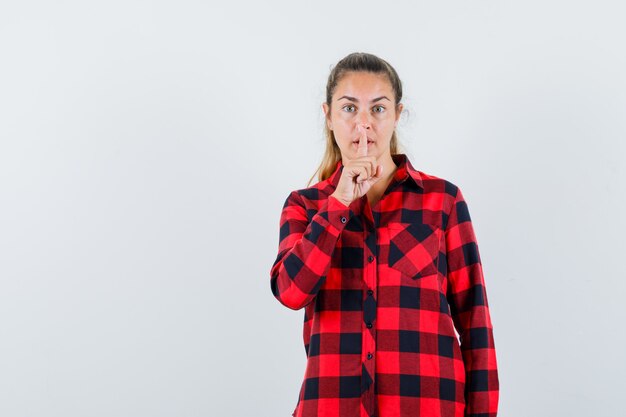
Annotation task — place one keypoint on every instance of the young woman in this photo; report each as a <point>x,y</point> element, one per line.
<point>384,261</point>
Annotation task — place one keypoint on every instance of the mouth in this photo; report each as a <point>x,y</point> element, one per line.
<point>356,142</point>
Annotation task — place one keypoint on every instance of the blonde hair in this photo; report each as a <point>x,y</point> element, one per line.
<point>354,62</point>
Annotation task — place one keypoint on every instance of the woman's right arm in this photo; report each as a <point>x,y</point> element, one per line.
<point>305,249</point>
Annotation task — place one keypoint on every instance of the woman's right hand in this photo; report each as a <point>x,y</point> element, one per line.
<point>359,174</point>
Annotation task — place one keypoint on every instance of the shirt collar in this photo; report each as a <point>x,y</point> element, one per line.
<point>405,170</point>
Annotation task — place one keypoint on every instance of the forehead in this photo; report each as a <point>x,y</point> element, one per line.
<point>363,84</point>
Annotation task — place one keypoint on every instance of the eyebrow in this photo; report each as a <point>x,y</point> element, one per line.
<point>356,100</point>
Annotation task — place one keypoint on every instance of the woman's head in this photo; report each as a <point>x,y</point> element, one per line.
<point>362,89</point>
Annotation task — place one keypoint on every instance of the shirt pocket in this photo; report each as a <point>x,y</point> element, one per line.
<point>414,248</point>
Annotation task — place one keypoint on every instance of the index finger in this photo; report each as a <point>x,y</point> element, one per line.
<point>362,148</point>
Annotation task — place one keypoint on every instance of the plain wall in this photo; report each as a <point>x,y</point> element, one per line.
<point>146,149</point>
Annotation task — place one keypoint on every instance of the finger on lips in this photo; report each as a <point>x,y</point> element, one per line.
<point>370,168</point>
<point>362,148</point>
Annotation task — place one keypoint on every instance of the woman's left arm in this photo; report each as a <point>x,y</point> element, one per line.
<point>467,297</point>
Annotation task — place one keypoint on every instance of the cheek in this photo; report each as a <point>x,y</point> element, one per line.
<point>343,138</point>
<point>342,128</point>
<point>387,125</point>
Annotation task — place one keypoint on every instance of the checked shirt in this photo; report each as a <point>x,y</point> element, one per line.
<point>396,319</point>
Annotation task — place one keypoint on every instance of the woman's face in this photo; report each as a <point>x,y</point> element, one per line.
<point>367,99</point>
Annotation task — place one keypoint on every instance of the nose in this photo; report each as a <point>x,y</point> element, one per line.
<point>363,120</point>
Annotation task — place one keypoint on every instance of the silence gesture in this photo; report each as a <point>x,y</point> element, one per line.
<point>358,174</point>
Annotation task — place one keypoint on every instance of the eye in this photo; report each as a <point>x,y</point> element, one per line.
<point>382,109</point>
<point>348,106</point>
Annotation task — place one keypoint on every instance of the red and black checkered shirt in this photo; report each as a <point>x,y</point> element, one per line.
<point>384,288</point>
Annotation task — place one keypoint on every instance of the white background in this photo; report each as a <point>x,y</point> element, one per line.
<point>146,149</point>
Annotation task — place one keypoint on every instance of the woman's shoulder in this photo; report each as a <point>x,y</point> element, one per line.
<point>437,183</point>
<point>427,181</point>
<point>312,194</point>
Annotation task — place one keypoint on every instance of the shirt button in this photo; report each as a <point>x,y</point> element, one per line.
<point>369,325</point>
<point>370,258</point>
<point>370,356</point>
<point>343,219</point>
<point>370,292</point>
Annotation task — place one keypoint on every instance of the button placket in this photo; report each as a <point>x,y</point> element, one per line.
<point>369,316</point>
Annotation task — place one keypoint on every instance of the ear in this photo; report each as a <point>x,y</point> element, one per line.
<point>326,109</point>
<point>399,108</point>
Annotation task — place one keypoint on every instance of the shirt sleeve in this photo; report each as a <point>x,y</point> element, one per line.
<point>305,248</point>
<point>467,297</point>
